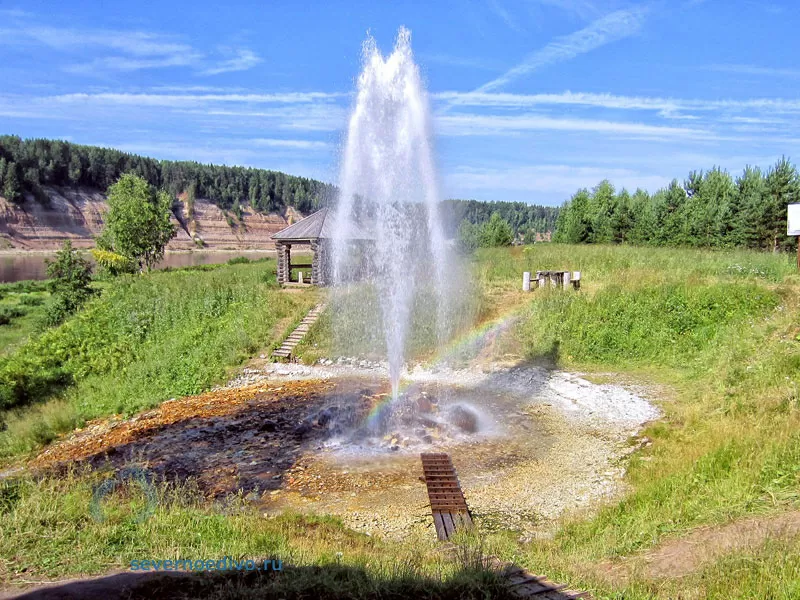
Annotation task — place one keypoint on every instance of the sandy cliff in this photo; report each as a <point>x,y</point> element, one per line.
<point>77,214</point>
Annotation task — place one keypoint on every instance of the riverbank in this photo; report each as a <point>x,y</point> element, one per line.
<point>713,335</point>
<point>23,265</point>
<point>77,213</point>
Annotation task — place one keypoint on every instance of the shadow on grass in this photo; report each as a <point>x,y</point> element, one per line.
<point>292,583</point>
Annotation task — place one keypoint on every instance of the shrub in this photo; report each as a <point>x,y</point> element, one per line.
<point>70,276</point>
<point>9,313</point>
<point>112,263</point>
<point>239,260</point>
<point>28,300</point>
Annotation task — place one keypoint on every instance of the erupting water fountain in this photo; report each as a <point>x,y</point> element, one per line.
<point>391,265</point>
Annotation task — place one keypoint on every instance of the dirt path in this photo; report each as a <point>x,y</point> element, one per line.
<point>702,546</point>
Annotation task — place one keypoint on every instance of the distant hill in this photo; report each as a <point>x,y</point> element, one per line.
<point>55,190</point>
<point>28,165</point>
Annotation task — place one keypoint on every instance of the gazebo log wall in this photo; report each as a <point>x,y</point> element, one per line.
<point>318,269</point>
<point>284,262</point>
<point>319,263</point>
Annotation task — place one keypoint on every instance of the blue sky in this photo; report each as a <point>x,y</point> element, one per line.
<point>532,99</point>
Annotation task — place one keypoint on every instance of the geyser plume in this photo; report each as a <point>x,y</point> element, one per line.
<point>391,266</point>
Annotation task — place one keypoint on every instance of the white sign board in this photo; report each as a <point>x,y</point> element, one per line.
<point>793,219</point>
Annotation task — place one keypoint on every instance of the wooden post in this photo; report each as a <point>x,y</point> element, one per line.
<point>540,278</point>
<point>526,281</point>
<point>566,280</point>
<point>576,280</point>
<point>299,277</point>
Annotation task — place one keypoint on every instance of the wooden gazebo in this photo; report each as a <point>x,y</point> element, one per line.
<point>311,232</point>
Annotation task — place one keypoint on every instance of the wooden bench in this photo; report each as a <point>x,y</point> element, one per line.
<point>449,509</point>
<point>554,278</point>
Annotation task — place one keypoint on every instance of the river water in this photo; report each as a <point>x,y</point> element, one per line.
<point>33,265</point>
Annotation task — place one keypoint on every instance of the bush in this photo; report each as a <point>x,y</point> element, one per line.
<point>28,300</point>
<point>149,338</point>
<point>651,325</point>
<point>9,313</point>
<point>70,276</point>
<point>493,233</point>
<point>239,260</point>
<point>112,263</point>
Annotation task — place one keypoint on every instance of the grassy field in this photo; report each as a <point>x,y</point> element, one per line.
<point>719,330</point>
<point>714,335</point>
<point>48,532</point>
<point>21,311</point>
<point>141,341</point>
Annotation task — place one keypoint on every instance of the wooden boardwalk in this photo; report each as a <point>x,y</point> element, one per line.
<point>450,511</point>
<point>525,584</point>
<point>287,348</point>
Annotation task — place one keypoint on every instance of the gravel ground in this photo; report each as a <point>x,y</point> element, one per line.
<point>548,442</point>
<point>528,444</point>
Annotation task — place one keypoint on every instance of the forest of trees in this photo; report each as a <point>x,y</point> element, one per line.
<point>710,209</point>
<point>525,219</point>
<point>26,165</point>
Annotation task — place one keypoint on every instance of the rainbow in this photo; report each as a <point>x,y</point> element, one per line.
<point>473,339</point>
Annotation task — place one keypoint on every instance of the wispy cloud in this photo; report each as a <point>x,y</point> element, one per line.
<point>290,111</point>
<point>124,50</point>
<point>548,179</point>
<point>121,63</point>
<point>755,70</point>
<point>244,60</point>
<point>499,10</point>
<point>460,61</point>
<point>188,100</point>
<point>290,144</point>
<point>610,28</point>
<point>581,8</point>
<point>666,106</point>
<point>482,125</point>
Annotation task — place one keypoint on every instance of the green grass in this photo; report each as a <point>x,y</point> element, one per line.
<point>357,330</point>
<point>714,335</point>
<point>21,312</point>
<point>719,331</point>
<point>143,340</point>
<point>50,531</point>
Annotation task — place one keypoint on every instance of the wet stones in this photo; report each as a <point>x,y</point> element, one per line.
<point>463,418</point>
<point>302,430</point>
<point>268,426</point>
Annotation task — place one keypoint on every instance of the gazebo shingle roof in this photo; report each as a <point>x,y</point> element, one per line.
<point>309,228</point>
<point>314,227</point>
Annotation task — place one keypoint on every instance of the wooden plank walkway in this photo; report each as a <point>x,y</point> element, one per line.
<point>287,348</point>
<point>449,509</point>
<point>450,513</point>
<point>525,584</point>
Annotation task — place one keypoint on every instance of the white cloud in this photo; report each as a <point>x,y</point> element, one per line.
<point>121,63</point>
<point>188,100</point>
<point>127,50</point>
<point>459,61</point>
<point>289,144</point>
<point>667,107</point>
<point>610,28</point>
<point>548,179</point>
<point>244,60</point>
<point>755,70</point>
<point>581,8</point>
<point>481,125</point>
<point>504,15</point>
